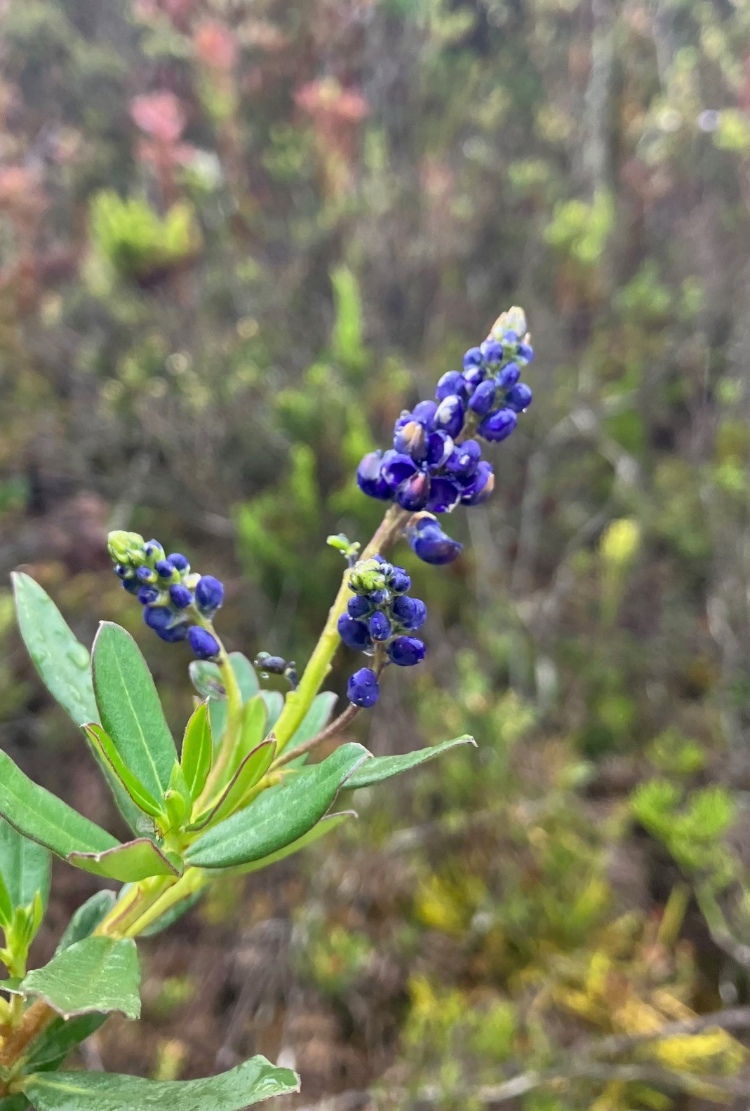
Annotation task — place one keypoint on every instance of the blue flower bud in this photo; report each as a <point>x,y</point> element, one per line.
<point>379,597</point>
<point>520,397</point>
<point>369,477</point>
<point>379,626</point>
<point>464,460</point>
<point>164,623</point>
<point>510,337</point>
<point>483,398</point>
<point>431,544</point>
<point>424,412</point>
<point>492,351</point>
<point>439,448</point>
<point>181,596</point>
<point>498,426</point>
<point>410,437</point>
<point>400,582</point>
<point>362,688</point>
<point>274,665</point>
<point>473,357</point>
<point>472,376</point>
<point>451,383</point>
<point>153,550</point>
<point>414,492</point>
<point>508,376</point>
<point>411,613</point>
<point>481,487</point>
<point>209,593</point>
<point>397,468</point>
<point>450,415</point>
<point>445,494</point>
<point>131,585</point>
<point>179,561</point>
<point>204,645</point>
<point>123,571</point>
<point>353,633</point>
<point>164,568</point>
<point>359,606</point>
<point>526,352</point>
<point>147,595</point>
<point>406,651</point>
<point>146,575</point>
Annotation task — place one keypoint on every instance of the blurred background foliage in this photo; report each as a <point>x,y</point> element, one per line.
<point>236,238</point>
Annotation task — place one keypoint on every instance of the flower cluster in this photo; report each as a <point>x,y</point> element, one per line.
<point>379,620</point>
<point>436,463</point>
<point>176,601</point>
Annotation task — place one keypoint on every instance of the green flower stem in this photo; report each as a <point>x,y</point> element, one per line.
<point>298,702</point>
<point>232,733</point>
<point>189,883</point>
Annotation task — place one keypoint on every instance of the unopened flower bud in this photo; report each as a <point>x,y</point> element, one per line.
<point>204,645</point>
<point>362,688</point>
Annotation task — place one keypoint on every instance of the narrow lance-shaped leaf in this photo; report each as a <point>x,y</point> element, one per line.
<point>197,751</point>
<point>316,718</point>
<point>60,1037</point>
<point>64,666</point>
<point>251,771</point>
<point>24,871</point>
<point>244,673</point>
<point>44,818</point>
<point>241,1087</point>
<point>325,825</point>
<point>274,701</point>
<point>128,863</point>
<point>61,660</point>
<point>130,709</point>
<point>99,974</point>
<point>385,767</point>
<point>135,789</point>
<point>279,815</point>
<point>254,717</point>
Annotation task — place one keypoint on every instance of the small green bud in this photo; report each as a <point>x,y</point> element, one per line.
<point>366,576</point>
<point>125,547</point>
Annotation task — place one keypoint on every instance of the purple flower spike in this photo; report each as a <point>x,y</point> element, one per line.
<point>414,492</point>
<point>483,398</point>
<point>508,376</point>
<point>498,426</point>
<point>167,625</point>
<point>452,383</point>
<point>464,460</point>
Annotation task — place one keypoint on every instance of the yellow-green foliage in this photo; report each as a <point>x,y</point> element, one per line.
<point>135,240</point>
<point>581,230</point>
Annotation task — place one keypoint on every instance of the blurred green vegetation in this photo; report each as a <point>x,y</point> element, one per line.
<point>235,240</point>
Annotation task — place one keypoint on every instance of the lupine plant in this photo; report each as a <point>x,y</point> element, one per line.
<point>240,794</point>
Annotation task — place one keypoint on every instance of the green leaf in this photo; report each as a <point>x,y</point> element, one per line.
<point>325,825</point>
<point>61,1036</point>
<point>14,1103</point>
<point>135,789</point>
<point>86,919</point>
<point>206,678</point>
<point>61,660</point>
<point>129,863</point>
<point>279,816</point>
<point>197,751</point>
<point>63,664</point>
<point>244,672</point>
<point>274,701</point>
<point>254,716</point>
<point>384,767</point>
<point>316,718</point>
<point>25,869</point>
<point>251,771</point>
<point>130,710</point>
<point>46,819</point>
<point>99,974</point>
<point>249,1083</point>
<point>218,712</point>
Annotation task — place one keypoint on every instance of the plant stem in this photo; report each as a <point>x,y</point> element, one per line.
<point>188,884</point>
<point>228,746</point>
<point>298,702</point>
